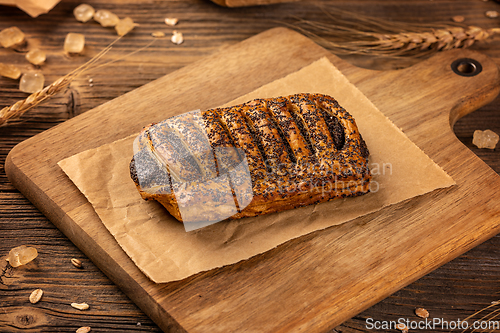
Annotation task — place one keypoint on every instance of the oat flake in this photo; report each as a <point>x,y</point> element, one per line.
<point>80,306</point>
<point>491,14</point>
<point>422,313</point>
<point>402,327</point>
<point>77,263</point>
<point>36,295</point>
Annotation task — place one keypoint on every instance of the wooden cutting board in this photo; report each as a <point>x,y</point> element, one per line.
<point>315,282</point>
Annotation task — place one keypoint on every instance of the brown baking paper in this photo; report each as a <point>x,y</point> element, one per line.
<point>164,251</point>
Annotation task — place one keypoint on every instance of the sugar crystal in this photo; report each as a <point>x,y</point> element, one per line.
<point>10,71</point>
<point>485,139</point>
<point>106,18</point>
<point>36,56</point>
<point>21,255</point>
<point>31,82</point>
<point>124,26</point>
<point>11,37</point>
<point>74,43</point>
<point>83,12</point>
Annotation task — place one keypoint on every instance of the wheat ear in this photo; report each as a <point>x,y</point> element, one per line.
<point>438,39</point>
<point>345,32</point>
<point>416,44</point>
<point>16,110</point>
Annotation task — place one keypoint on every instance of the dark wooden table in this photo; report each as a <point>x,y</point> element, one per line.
<point>455,291</point>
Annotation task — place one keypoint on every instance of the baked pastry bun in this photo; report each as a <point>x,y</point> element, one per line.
<point>260,157</point>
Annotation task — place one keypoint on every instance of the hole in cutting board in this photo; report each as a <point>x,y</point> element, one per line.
<point>466,67</point>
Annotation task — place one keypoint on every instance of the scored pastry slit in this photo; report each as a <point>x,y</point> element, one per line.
<point>335,128</point>
<point>297,118</point>
<point>284,139</point>
<point>316,128</point>
<point>257,142</point>
<point>190,128</point>
<point>268,138</point>
<point>221,142</point>
<point>242,138</point>
<point>280,111</point>
<point>170,149</point>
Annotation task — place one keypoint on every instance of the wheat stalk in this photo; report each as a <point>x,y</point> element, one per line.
<point>349,33</point>
<point>416,44</point>
<point>15,111</point>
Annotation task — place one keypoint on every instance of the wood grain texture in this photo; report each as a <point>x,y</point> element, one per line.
<point>315,282</point>
<point>455,290</point>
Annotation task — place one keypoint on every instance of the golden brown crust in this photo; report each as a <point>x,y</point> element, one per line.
<point>300,149</point>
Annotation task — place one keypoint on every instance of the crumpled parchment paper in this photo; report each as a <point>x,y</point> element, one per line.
<point>164,251</point>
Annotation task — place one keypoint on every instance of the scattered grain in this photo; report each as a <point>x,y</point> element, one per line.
<point>84,329</point>
<point>80,306</point>
<point>458,18</point>
<point>495,302</point>
<point>77,263</point>
<point>158,34</point>
<point>402,327</point>
<point>21,255</point>
<point>491,14</point>
<point>177,37</point>
<point>422,313</point>
<point>36,295</point>
<point>171,21</point>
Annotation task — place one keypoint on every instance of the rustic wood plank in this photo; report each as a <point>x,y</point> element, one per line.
<point>420,108</point>
<point>215,28</point>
